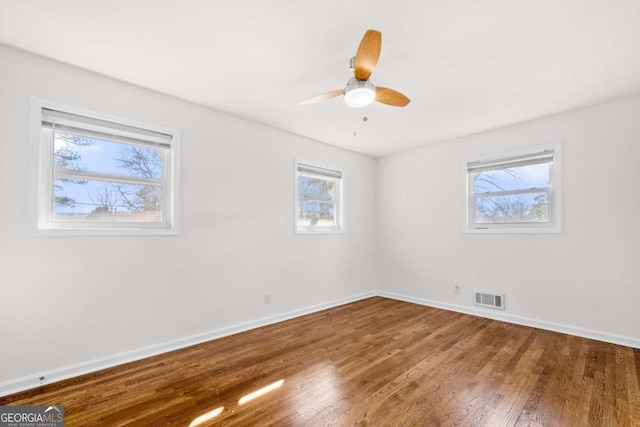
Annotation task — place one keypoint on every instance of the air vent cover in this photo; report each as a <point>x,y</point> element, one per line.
<point>488,300</point>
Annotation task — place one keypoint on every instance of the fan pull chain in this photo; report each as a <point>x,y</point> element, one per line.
<point>354,123</point>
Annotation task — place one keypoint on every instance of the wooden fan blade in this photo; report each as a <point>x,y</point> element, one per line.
<point>391,97</point>
<point>367,54</point>
<point>322,97</point>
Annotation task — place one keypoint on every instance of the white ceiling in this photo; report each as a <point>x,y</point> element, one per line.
<point>467,65</point>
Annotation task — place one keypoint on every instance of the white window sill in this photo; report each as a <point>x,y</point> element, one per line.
<point>519,230</point>
<point>320,232</point>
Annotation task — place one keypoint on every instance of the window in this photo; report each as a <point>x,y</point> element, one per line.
<point>100,175</point>
<point>516,192</point>
<point>318,199</point>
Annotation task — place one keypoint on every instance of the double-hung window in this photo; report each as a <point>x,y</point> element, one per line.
<point>318,207</point>
<point>515,192</point>
<point>94,174</point>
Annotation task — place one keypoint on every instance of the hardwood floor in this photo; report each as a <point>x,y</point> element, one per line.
<point>376,362</point>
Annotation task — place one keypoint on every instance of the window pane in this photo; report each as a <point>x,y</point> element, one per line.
<point>316,214</point>
<point>98,201</point>
<point>108,157</point>
<point>316,188</point>
<point>512,209</point>
<point>516,178</point>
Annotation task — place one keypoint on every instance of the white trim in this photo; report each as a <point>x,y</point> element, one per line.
<point>66,372</point>
<point>519,320</point>
<point>38,225</point>
<point>554,192</point>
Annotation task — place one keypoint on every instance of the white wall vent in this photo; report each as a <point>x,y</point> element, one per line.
<point>488,300</point>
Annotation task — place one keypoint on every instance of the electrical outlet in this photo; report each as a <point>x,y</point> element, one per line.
<point>267,298</point>
<point>457,289</point>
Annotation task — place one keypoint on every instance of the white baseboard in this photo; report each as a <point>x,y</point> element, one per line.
<point>62,373</point>
<point>519,320</point>
<point>32,381</point>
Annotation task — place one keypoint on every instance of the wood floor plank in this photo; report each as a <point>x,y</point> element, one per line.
<point>633,382</point>
<point>376,362</point>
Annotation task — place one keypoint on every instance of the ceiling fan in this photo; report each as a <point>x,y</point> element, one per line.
<point>359,91</point>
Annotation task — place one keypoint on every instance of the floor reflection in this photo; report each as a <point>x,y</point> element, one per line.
<point>206,417</point>
<point>258,393</point>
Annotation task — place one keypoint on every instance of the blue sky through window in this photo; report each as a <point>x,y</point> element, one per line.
<point>517,178</point>
<point>99,156</point>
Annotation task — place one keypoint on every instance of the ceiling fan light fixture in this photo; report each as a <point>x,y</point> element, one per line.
<point>359,93</point>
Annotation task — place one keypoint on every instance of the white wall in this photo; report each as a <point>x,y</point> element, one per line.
<point>68,300</point>
<point>587,277</point>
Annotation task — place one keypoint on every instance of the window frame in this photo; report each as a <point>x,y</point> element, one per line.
<point>553,191</point>
<point>42,175</point>
<point>339,201</point>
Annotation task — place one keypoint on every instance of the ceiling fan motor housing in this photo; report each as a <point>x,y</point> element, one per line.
<point>359,93</point>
